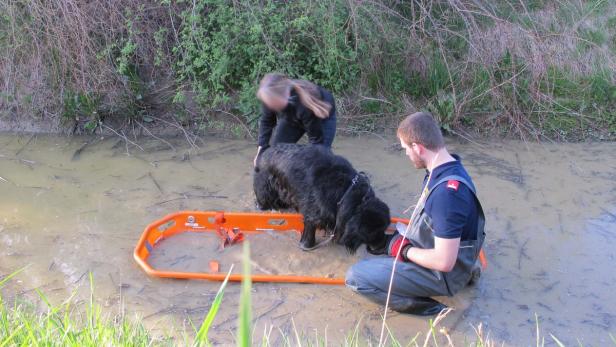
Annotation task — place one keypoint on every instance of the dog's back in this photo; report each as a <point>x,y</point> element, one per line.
<point>304,170</point>
<point>288,157</point>
<point>325,188</point>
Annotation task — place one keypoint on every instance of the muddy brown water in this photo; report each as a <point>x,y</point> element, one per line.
<point>551,244</point>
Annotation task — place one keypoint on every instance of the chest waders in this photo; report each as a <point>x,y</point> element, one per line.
<point>413,285</point>
<point>421,235</point>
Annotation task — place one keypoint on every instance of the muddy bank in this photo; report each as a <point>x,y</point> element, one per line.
<point>17,125</point>
<point>73,205</point>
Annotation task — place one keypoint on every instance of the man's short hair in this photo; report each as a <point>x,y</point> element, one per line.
<point>421,128</point>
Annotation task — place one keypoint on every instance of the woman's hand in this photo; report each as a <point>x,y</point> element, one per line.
<point>256,156</point>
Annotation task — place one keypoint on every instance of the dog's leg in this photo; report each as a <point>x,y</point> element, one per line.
<point>307,240</point>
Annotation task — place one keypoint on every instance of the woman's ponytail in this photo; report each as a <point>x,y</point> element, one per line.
<point>309,96</point>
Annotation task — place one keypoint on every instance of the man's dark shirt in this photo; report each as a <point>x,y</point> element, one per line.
<point>453,211</point>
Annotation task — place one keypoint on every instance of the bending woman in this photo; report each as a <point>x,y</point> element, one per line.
<point>292,108</point>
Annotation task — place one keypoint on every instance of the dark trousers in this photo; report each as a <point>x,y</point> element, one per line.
<point>412,286</point>
<point>287,132</point>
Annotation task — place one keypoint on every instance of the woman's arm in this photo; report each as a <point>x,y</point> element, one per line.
<point>328,97</point>
<point>266,126</point>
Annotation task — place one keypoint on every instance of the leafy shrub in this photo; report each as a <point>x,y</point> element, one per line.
<point>225,47</point>
<point>490,66</point>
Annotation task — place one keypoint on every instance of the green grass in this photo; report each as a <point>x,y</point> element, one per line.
<point>24,324</point>
<point>202,333</point>
<point>245,317</point>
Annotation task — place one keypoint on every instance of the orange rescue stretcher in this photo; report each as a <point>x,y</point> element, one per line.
<point>230,227</point>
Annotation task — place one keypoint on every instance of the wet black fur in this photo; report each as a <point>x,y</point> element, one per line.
<point>311,180</point>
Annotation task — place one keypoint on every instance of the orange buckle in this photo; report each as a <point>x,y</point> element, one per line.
<point>482,259</point>
<point>228,237</point>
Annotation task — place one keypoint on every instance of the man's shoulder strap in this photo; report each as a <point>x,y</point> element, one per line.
<point>454,185</point>
<point>451,183</point>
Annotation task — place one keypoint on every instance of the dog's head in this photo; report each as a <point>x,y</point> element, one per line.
<point>367,224</point>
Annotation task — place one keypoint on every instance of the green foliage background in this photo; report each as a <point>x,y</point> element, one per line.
<point>539,69</point>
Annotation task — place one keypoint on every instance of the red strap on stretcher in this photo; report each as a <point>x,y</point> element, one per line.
<point>228,237</point>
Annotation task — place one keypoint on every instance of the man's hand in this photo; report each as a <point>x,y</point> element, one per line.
<point>399,246</point>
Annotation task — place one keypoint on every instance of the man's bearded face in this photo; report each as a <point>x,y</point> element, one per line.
<point>412,154</point>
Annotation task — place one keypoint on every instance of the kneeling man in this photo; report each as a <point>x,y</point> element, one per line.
<point>439,254</point>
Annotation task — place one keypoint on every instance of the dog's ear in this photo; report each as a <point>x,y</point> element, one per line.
<point>374,221</point>
<point>347,224</point>
<point>366,224</point>
<point>375,214</point>
<point>345,211</point>
<point>350,237</point>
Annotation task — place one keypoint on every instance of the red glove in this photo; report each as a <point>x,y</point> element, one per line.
<point>396,243</point>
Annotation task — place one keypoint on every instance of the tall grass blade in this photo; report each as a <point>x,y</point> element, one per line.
<point>297,338</point>
<point>244,331</point>
<point>537,328</point>
<point>10,337</point>
<point>209,318</point>
<point>8,277</point>
<point>560,344</point>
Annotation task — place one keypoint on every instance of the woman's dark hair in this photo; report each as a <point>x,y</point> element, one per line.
<point>279,85</point>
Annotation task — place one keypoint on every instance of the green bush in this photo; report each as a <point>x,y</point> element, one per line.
<point>225,47</point>
<point>81,107</point>
<point>498,66</point>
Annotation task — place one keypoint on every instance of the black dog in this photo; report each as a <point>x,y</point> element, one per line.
<point>325,189</point>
